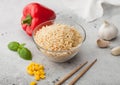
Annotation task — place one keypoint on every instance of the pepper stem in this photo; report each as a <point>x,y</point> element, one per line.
<point>27,20</point>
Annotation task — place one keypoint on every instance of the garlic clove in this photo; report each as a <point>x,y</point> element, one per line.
<point>116,51</point>
<point>102,43</point>
<point>107,31</point>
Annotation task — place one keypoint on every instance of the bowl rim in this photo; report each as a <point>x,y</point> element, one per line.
<point>73,48</point>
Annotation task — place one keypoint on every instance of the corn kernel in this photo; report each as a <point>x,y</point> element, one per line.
<point>36,64</point>
<point>36,70</point>
<point>37,73</point>
<point>42,76</point>
<point>33,83</point>
<point>41,72</point>
<point>37,77</point>
<point>29,68</point>
<point>30,72</point>
<point>41,67</point>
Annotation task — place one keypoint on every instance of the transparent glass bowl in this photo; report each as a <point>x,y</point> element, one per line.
<point>61,56</point>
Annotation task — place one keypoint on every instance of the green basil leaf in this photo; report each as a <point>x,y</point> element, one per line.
<point>25,53</point>
<point>13,46</point>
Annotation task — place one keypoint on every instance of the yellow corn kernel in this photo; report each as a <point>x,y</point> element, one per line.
<point>37,73</point>
<point>30,72</point>
<point>36,68</point>
<point>41,72</point>
<point>29,68</point>
<point>34,72</point>
<point>42,76</point>
<point>36,64</point>
<point>37,77</point>
<point>41,67</point>
<point>33,68</point>
<point>33,83</point>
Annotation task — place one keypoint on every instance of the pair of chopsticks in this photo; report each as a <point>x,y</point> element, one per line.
<point>61,81</point>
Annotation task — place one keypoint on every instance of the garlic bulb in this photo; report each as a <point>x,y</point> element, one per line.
<point>116,51</point>
<point>102,43</point>
<point>107,31</point>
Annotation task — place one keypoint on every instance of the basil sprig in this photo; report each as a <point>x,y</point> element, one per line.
<point>23,52</point>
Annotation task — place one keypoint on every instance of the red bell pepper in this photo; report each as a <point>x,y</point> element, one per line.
<point>34,14</point>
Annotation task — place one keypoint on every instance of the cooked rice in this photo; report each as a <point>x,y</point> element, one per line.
<point>58,37</point>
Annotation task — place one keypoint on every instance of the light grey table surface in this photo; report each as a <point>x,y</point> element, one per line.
<point>13,69</point>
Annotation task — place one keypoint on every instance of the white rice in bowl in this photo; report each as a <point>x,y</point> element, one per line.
<point>58,37</point>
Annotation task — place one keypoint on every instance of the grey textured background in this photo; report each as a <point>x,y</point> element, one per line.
<point>13,69</point>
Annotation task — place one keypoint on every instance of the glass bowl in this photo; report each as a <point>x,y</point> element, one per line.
<point>60,56</point>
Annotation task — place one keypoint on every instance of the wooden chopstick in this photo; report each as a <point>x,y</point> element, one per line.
<point>74,71</point>
<point>82,73</point>
<point>70,74</point>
